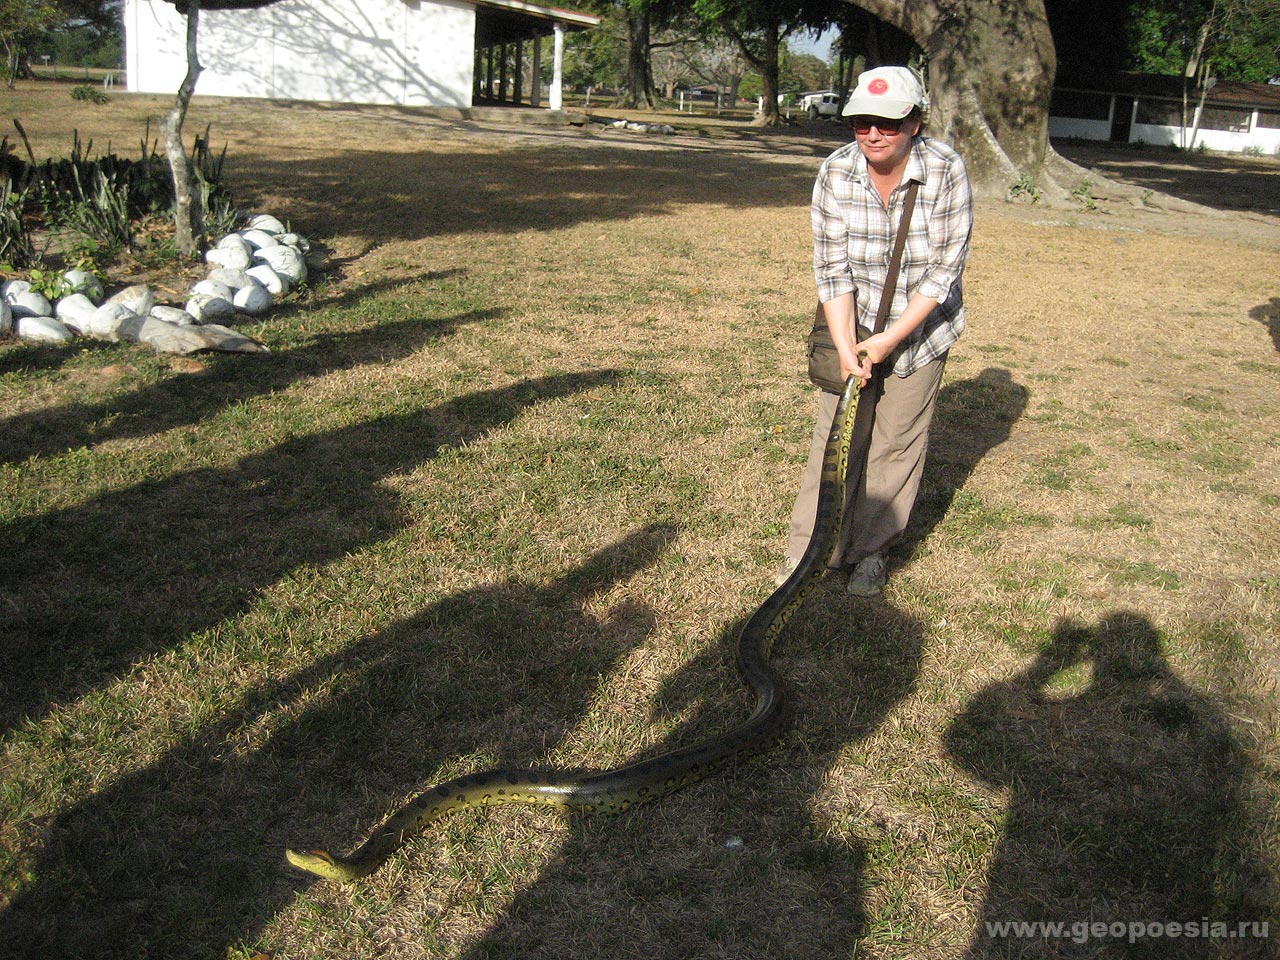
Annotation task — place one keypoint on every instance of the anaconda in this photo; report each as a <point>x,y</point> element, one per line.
<point>616,790</point>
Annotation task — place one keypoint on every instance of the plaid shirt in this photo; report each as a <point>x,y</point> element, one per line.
<point>853,241</point>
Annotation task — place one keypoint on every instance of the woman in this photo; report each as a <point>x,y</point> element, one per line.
<point>857,205</point>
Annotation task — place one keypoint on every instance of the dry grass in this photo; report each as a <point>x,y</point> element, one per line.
<point>502,492</point>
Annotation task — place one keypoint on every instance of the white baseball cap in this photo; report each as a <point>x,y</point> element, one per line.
<point>891,92</point>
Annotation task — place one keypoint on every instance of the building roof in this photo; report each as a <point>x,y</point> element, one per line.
<point>510,21</point>
<point>570,18</point>
<point>1226,93</point>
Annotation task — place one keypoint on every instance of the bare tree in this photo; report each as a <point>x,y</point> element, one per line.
<point>720,63</point>
<point>188,215</point>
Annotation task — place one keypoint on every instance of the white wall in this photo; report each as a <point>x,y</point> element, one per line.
<point>413,52</point>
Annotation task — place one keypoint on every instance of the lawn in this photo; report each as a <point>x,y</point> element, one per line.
<point>519,464</point>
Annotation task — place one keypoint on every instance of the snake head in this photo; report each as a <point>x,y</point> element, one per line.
<point>321,863</point>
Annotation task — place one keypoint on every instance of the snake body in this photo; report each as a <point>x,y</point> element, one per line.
<point>618,789</point>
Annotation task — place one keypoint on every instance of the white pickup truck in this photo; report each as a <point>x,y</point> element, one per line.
<point>824,104</point>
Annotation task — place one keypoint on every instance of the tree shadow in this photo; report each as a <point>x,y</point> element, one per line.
<point>740,864</point>
<point>24,356</point>
<point>1125,803</point>
<point>442,193</point>
<point>972,418</point>
<point>90,589</point>
<point>182,399</point>
<point>1213,180</point>
<point>185,857</point>
<point>1268,314</point>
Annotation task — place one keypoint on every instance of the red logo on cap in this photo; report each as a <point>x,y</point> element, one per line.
<point>878,85</point>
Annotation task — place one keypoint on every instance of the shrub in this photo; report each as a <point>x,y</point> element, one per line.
<point>86,91</point>
<point>16,247</point>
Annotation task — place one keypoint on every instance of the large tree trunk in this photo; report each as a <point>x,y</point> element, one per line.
<point>640,90</point>
<point>766,65</point>
<point>188,218</point>
<point>991,72</point>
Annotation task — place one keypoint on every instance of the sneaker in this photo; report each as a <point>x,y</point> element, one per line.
<point>785,569</point>
<point>867,579</point>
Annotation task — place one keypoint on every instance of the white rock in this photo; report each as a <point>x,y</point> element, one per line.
<point>231,252</point>
<point>43,330</point>
<point>259,239</point>
<point>6,318</point>
<point>285,261</point>
<point>208,309</point>
<point>235,279</point>
<point>106,321</point>
<point>172,338</point>
<point>84,282</point>
<point>265,221</point>
<point>230,341</point>
<point>213,288</point>
<point>254,300</point>
<point>267,276</point>
<point>11,288</point>
<point>174,315</point>
<point>299,243</point>
<point>231,258</point>
<point>137,298</point>
<point>130,328</point>
<point>29,303</point>
<point>75,311</point>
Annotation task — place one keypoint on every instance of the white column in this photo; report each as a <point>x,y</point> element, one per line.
<point>557,69</point>
<point>537,72</point>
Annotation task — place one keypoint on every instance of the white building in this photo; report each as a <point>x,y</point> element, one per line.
<point>1141,108</point>
<point>430,53</point>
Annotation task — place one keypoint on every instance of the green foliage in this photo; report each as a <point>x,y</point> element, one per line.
<point>1161,36</point>
<point>1084,194</point>
<point>82,44</point>
<point>98,201</point>
<point>99,209</point>
<point>87,91</point>
<point>49,283</point>
<point>1024,188</point>
<point>593,58</point>
<point>16,247</point>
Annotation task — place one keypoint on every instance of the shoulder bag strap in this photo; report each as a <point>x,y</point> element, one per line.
<point>895,262</point>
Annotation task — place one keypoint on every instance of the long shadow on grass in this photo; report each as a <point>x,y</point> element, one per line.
<point>182,399</point>
<point>185,858</point>
<point>1226,183</point>
<point>409,196</point>
<point>972,418</point>
<point>758,862</point>
<point>1125,804</point>
<point>90,589</point>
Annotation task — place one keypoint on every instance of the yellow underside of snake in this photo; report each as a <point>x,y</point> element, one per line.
<point>616,790</point>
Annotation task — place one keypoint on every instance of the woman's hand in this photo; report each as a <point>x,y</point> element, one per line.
<point>875,349</point>
<point>855,364</point>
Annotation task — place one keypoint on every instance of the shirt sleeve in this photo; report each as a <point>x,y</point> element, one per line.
<point>950,224</point>
<point>830,241</point>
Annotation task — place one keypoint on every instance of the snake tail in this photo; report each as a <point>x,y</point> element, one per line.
<point>620,788</point>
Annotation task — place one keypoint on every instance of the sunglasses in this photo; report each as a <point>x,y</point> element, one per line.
<point>887,127</point>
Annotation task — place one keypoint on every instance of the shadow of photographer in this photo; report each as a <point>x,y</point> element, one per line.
<point>1125,810</point>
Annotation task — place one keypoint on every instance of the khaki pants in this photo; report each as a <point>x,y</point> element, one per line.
<point>883,481</point>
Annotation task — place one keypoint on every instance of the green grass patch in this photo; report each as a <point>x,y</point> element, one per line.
<point>1142,573</point>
